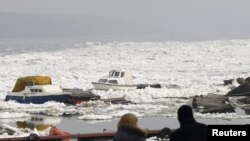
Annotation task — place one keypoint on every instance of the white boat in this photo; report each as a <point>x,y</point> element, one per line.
<point>36,89</point>
<point>116,80</point>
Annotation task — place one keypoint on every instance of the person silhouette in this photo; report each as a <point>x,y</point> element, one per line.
<point>189,130</point>
<point>128,129</point>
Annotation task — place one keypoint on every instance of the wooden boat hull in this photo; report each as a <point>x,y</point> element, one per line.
<point>106,86</point>
<point>78,96</point>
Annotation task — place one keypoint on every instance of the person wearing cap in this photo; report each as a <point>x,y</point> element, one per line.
<point>189,130</point>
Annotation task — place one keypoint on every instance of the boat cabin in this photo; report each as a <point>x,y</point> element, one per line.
<point>42,89</point>
<point>32,88</point>
<point>123,77</point>
<point>114,73</point>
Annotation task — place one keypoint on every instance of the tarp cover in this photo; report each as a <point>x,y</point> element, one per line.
<point>37,80</point>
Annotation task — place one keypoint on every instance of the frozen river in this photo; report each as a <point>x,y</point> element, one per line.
<point>184,69</point>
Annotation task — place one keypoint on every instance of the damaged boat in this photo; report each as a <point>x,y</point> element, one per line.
<point>79,95</point>
<point>212,103</point>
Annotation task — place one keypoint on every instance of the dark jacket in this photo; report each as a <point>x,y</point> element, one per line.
<point>129,134</point>
<point>190,130</point>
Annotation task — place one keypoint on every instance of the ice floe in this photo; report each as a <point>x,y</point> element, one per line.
<point>184,69</point>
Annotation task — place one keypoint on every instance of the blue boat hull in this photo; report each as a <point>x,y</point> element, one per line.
<point>38,99</point>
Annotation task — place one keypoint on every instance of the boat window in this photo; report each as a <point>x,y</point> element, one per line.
<point>117,73</point>
<point>36,119</point>
<point>111,73</point>
<point>36,90</point>
<point>113,81</point>
<point>103,80</point>
<point>122,74</point>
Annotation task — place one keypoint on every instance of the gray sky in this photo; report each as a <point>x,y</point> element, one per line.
<point>213,18</point>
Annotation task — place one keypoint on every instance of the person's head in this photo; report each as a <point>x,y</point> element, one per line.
<point>128,120</point>
<point>184,113</point>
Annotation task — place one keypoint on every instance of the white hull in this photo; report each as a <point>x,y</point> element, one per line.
<point>105,86</point>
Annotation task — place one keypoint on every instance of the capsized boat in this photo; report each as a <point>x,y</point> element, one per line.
<point>116,80</point>
<point>37,90</point>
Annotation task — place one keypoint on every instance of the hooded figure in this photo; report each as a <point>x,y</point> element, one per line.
<point>128,130</point>
<point>189,130</point>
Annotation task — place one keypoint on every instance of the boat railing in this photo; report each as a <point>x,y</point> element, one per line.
<point>103,136</point>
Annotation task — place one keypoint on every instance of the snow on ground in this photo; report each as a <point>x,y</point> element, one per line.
<point>48,108</point>
<point>23,132</point>
<point>184,69</point>
<point>11,115</point>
